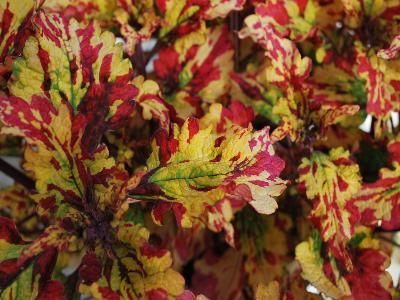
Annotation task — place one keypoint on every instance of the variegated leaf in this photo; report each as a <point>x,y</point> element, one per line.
<point>196,74</point>
<point>330,182</point>
<point>381,82</point>
<point>25,279</point>
<point>15,18</point>
<point>379,202</point>
<point>64,173</point>
<point>139,270</point>
<point>194,169</point>
<point>79,65</point>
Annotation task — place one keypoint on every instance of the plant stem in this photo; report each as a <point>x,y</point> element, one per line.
<point>16,174</point>
<point>234,27</point>
<point>383,238</point>
<point>139,60</point>
<point>27,218</point>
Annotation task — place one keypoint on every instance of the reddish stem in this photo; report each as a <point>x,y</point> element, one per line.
<point>16,174</point>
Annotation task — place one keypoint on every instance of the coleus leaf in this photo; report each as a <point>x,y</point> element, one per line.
<point>334,82</point>
<point>84,186</point>
<point>326,17</point>
<point>268,291</point>
<point>379,202</point>
<point>189,243</point>
<point>297,289</point>
<point>65,175</point>
<point>368,279</point>
<point>327,113</point>
<point>330,182</point>
<point>199,73</point>
<point>16,203</point>
<point>25,279</point>
<point>273,290</point>
<point>354,12</point>
<point>142,13</point>
<point>219,277</point>
<point>107,13</point>
<point>340,136</point>
<point>58,236</point>
<point>221,9</point>
<point>139,270</point>
<point>290,110</point>
<point>259,258</point>
<point>393,148</point>
<point>184,244</point>
<point>263,242</point>
<point>170,16</point>
<point>292,18</point>
<point>206,67</point>
<point>392,51</point>
<point>223,118</point>
<point>251,89</point>
<point>308,254</point>
<point>14,24</point>
<point>80,65</point>
<point>358,12</point>
<point>288,68</point>
<point>152,104</point>
<point>82,10</point>
<point>381,82</point>
<point>304,114</point>
<point>175,13</point>
<point>193,169</point>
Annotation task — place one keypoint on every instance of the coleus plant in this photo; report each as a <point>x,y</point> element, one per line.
<point>225,162</point>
